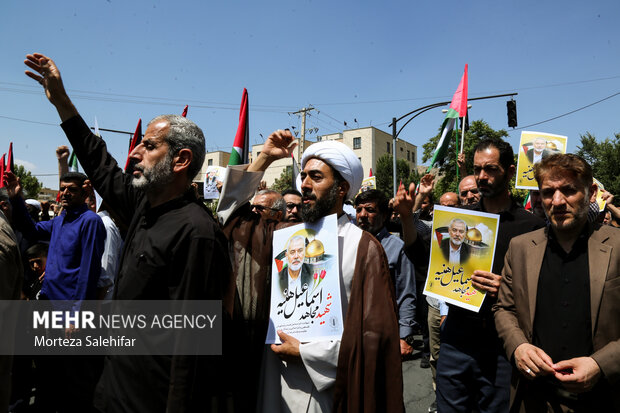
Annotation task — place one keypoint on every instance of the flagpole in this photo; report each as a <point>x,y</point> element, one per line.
<point>463,133</point>
<point>456,132</point>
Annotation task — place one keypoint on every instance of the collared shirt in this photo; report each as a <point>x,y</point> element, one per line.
<point>111,255</point>
<point>562,323</point>
<point>76,240</point>
<point>455,254</point>
<point>403,276</point>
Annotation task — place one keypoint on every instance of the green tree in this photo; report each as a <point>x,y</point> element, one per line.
<point>30,184</point>
<point>384,172</point>
<point>478,130</point>
<point>284,181</point>
<point>604,157</point>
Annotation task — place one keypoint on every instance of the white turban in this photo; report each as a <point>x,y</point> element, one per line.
<point>340,157</point>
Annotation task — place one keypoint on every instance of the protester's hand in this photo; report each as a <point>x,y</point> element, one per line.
<point>486,281</point>
<point>442,320</point>
<point>262,185</point>
<point>42,276</point>
<point>460,161</point>
<point>279,144</point>
<point>70,331</point>
<point>47,74</point>
<point>289,349</point>
<point>532,361</point>
<point>403,202</point>
<point>607,197</point>
<point>405,349</point>
<point>219,186</point>
<point>13,185</point>
<point>578,375</point>
<point>427,183</point>
<point>45,206</point>
<point>62,153</point>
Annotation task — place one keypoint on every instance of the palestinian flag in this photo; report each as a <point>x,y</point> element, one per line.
<point>73,163</point>
<point>135,141</point>
<point>239,153</point>
<point>458,109</point>
<point>184,114</point>
<point>295,172</point>
<point>527,204</point>
<point>10,162</point>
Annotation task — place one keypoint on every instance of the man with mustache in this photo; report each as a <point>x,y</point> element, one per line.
<point>174,249</point>
<point>472,371</point>
<point>454,249</point>
<point>361,371</point>
<point>296,273</point>
<point>468,191</point>
<point>559,303</point>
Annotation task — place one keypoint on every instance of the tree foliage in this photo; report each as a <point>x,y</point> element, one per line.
<point>604,157</point>
<point>384,174</point>
<point>30,183</point>
<point>284,181</point>
<point>478,131</point>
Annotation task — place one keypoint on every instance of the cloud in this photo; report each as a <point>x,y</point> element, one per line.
<point>28,165</point>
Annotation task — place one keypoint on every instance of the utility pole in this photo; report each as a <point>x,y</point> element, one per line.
<point>302,144</point>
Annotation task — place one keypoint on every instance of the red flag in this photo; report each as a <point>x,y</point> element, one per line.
<point>10,162</point>
<point>135,141</point>
<point>184,114</point>
<point>2,171</point>
<point>370,172</point>
<point>239,154</point>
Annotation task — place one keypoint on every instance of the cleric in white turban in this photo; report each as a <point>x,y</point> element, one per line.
<point>340,157</point>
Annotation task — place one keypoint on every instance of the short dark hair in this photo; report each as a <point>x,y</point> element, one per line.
<point>75,177</point>
<point>376,196</point>
<point>291,191</point>
<point>569,162</point>
<point>38,250</point>
<point>506,154</point>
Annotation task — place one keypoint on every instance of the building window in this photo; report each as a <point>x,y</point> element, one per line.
<point>388,147</point>
<point>401,149</point>
<point>319,138</point>
<point>210,162</point>
<point>357,143</point>
<point>408,155</point>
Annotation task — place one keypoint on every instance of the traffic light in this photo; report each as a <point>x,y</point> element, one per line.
<point>511,107</point>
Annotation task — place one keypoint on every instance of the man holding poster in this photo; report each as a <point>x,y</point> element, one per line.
<point>361,371</point>
<point>472,371</point>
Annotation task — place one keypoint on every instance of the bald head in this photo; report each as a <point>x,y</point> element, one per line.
<point>449,199</point>
<point>468,191</point>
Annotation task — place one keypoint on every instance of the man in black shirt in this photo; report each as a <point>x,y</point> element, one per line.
<point>472,371</point>
<point>558,307</point>
<point>174,249</point>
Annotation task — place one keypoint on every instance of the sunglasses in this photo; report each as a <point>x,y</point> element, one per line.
<point>261,208</point>
<point>290,206</point>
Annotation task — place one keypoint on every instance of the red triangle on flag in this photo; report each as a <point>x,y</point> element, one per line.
<point>135,141</point>
<point>10,162</point>
<point>2,171</point>
<point>184,114</point>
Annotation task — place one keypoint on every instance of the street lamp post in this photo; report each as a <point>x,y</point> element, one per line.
<point>415,113</point>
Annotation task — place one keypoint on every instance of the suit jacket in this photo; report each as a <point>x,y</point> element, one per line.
<point>530,154</point>
<point>445,249</point>
<point>516,304</point>
<point>306,276</point>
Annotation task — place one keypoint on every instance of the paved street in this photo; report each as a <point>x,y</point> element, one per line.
<point>417,383</point>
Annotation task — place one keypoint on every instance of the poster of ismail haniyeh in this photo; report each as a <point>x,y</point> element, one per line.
<point>462,241</point>
<point>305,283</point>
<point>533,148</point>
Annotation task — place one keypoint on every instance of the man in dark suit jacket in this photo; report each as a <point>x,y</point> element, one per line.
<point>540,148</point>
<point>559,302</point>
<point>457,230</point>
<point>305,274</point>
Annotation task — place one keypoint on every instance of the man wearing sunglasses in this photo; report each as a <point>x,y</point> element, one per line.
<point>269,205</point>
<point>292,197</point>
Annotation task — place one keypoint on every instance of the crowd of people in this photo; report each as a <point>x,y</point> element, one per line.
<point>546,339</point>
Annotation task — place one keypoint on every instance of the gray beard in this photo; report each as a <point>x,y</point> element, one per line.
<point>156,177</point>
<point>321,207</point>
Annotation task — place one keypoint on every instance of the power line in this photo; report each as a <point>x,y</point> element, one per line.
<point>568,113</point>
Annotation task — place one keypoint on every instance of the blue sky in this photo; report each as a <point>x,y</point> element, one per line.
<point>370,61</point>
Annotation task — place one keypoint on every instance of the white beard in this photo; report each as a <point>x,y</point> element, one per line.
<point>296,267</point>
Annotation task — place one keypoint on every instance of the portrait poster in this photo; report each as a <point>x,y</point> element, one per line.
<point>462,241</point>
<point>368,183</point>
<point>213,176</point>
<point>533,147</point>
<point>599,195</point>
<point>305,282</point>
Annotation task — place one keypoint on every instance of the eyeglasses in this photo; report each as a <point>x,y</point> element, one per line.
<point>473,191</point>
<point>290,206</point>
